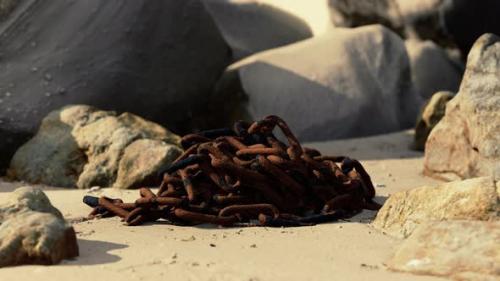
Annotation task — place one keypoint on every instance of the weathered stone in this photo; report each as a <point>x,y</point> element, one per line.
<point>432,113</point>
<point>473,199</point>
<point>27,199</point>
<point>141,161</point>
<point>466,142</point>
<point>462,250</point>
<point>156,59</point>
<point>432,70</point>
<point>83,146</point>
<point>32,231</point>
<point>252,26</point>
<point>327,87</point>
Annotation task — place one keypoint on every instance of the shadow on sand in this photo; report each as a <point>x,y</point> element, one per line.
<point>94,252</point>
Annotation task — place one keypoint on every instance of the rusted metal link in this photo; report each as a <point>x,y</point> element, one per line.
<point>281,176</point>
<point>242,175</point>
<point>258,150</point>
<point>106,203</point>
<point>204,218</point>
<point>250,210</point>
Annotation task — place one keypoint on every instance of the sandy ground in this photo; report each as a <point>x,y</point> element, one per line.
<point>347,250</point>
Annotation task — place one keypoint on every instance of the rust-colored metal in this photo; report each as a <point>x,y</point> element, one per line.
<point>106,203</point>
<point>243,175</point>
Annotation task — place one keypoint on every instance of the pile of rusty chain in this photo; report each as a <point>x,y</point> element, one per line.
<point>246,176</point>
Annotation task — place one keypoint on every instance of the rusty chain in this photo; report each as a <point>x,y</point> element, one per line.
<point>246,176</point>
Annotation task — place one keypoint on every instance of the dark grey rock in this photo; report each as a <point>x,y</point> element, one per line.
<point>154,58</point>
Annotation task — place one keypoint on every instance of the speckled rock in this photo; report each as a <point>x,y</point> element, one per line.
<point>431,114</point>
<point>83,146</point>
<point>32,231</point>
<point>462,250</point>
<point>141,160</point>
<point>473,199</point>
<point>466,142</point>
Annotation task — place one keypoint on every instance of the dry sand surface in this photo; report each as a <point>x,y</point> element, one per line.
<point>347,250</point>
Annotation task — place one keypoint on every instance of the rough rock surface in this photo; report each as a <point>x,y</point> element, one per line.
<point>327,87</point>
<point>84,147</point>
<point>432,69</point>
<point>473,199</point>
<point>432,113</point>
<point>462,250</point>
<point>252,26</point>
<point>141,160</point>
<point>156,59</point>
<point>466,142</point>
<point>32,231</point>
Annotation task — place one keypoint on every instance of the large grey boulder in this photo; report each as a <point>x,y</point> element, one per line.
<point>154,58</point>
<point>432,70</point>
<point>253,26</point>
<point>32,231</point>
<point>345,83</point>
<point>459,250</point>
<point>84,147</point>
<point>466,142</point>
<point>473,199</point>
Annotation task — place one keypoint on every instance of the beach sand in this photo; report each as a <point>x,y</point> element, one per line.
<point>346,250</point>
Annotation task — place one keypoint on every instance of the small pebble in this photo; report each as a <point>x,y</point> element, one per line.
<point>253,246</point>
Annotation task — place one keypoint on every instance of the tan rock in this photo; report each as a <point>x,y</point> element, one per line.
<point>466,142</point>
<point>431,114</point>
<point>463,250</point>
<point>141,161</point>
<point>83,146</point>
<point>473,199</point>
<point>32,231</point>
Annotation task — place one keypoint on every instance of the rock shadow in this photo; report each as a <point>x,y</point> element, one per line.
<point>94,252</point>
